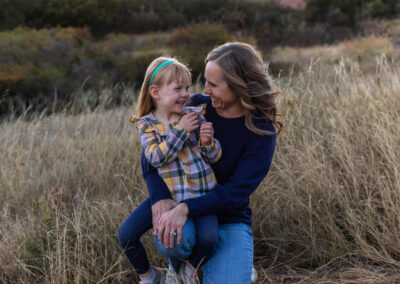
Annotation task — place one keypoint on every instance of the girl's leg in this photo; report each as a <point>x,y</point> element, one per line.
<point>233,257</point>
<point>129,233</point>
<point>206,239</point>
<point>180,251</point>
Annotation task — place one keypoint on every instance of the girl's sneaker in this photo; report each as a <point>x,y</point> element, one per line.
<point>156,279</point>
<point>170,277</point>
<point>187,278</point>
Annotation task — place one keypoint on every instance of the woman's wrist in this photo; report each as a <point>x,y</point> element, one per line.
<point>183,208</point>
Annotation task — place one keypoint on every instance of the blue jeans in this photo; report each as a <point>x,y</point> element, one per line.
<point>232,259</point>
<point>140,221</point>
<point>129,233</point>
<point>199,239</point>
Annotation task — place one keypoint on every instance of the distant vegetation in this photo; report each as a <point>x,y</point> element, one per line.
<point>50,49</point>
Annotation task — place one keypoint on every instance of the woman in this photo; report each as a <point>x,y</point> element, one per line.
<point>241,106</point>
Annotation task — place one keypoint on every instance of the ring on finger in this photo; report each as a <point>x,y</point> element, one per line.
<point>172,233</point>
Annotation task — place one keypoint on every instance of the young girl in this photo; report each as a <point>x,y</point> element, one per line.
<point>179,143</point>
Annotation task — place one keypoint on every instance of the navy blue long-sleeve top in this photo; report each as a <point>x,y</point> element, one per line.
<point>246,159</point>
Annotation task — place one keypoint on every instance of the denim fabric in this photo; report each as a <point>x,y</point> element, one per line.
<point>181,251</point>
<point>233,257</point>
<point>199,239</point>
<point>129,233</point>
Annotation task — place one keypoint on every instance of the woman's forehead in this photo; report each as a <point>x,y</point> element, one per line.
<point>213,72</point>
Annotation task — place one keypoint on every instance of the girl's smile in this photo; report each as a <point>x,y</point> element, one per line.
<point>170,100</point>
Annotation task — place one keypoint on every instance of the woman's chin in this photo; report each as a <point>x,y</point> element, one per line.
<point>216,104</point>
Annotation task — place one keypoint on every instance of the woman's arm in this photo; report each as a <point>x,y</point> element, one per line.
<point>251,170</point>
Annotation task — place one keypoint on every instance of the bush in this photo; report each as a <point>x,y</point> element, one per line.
<point>36,65</point>
<point>192,44</point>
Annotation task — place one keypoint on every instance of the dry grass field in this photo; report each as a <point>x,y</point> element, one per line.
<point>328,212</point>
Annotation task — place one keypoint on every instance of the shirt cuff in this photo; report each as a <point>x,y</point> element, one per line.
<point>207,149</point>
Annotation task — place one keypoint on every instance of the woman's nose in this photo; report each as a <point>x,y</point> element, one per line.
<point>206,89</point>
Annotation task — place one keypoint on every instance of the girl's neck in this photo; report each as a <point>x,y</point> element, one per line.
<point>166,117</point>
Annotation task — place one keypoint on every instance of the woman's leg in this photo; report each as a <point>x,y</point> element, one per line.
<point>180,251</point>
<point>129,233</point>
<point>206,239</point>
<point>233,257</point>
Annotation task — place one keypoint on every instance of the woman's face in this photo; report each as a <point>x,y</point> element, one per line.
<point>222,97</point>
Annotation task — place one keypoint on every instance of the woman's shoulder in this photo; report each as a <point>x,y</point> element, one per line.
<point>263,124</point>
<point>198,99</point>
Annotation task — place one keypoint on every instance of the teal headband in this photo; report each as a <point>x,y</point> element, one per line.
<point>158,69</point>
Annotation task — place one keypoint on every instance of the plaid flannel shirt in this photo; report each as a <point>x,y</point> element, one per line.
<point>181,161</point>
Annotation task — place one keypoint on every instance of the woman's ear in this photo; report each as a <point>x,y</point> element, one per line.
<point>154,92</point>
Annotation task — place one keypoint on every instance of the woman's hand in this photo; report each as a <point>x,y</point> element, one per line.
<point>158,209</point>
<point>206,133</point>
<point>171,223</point>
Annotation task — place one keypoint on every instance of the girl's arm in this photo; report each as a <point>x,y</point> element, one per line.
<point>210,148</point>
<point>160,154</point>
<point>211,153</point>
<point>156,186</point>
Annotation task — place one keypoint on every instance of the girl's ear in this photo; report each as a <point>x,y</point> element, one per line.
<point>154,92</point>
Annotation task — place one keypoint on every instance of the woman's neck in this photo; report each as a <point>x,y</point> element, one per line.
<point>166,117</point>
<point>233,111</point>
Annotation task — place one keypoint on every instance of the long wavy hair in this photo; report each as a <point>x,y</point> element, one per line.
<point>174,71</point>
<point>247,76</point>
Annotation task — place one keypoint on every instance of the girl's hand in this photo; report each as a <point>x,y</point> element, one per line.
<point>206,133</point>
<point>158,209</point>
<point>189,122</point>
<point>172,222</point>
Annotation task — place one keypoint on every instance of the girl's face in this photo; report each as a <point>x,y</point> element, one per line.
<point>173,97</point>
<point>222,97</point>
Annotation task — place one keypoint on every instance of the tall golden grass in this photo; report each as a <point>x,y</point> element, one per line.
<point>328,212</point>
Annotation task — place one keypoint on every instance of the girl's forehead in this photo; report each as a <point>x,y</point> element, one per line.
<point>180,80</point>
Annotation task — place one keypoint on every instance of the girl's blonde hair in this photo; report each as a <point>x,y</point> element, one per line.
<point>247,76</point>
<point>174,71</point>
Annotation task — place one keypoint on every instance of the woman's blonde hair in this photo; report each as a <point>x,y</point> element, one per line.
<point>246,74</point>
<point>173,71</point>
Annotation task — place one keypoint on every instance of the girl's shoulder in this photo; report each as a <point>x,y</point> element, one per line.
<point>145,123</point>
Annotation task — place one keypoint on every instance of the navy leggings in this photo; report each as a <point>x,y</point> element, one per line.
<point>140,221</point>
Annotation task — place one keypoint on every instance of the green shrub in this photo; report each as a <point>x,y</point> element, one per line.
<point>191,44</point>
<point>37,65</point>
